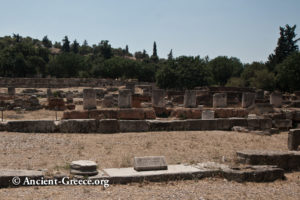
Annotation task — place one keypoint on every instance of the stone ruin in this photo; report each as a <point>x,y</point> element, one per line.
<point>199,109</point>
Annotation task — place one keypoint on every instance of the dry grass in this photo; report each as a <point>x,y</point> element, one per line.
<point>55,151</point>
<point>40,151</point>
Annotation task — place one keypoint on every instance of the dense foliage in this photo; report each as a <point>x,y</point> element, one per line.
<point>28,57</point>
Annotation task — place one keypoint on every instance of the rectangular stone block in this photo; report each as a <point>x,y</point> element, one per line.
<point>276,99</point>
<point>175,125</point>
<point>31,126</point>
<point>108,126</point>
<point>220,100</point>
<point>208,114</point>
<point>78,126</point>
<point>125,98</point>
<point>11,91</point>
<point>89,99</point>
<point>294,139</point>
<point>248,99</point>
<point>131,86</point>
<point>134,126</point>
<point>158,98</point>
<point>190,99</point>
<point>150,163</point>
<point>283,124</point>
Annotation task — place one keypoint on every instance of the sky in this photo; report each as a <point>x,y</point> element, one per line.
<point>246,29</point>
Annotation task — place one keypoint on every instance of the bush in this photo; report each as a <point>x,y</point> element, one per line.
<point>288,73</point>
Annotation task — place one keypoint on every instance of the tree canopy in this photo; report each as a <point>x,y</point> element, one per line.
<point>28,57</point>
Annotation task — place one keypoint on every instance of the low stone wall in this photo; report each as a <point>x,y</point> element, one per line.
<point>114,126</point>
<point>113,113</point>
<point>286,160</point>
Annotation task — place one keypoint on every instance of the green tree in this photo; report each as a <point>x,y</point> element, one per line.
<point>154,56</point>
<point>105,49</point>
<point>67,65</point>
<point>183,73</point>
<point>288,73</point>
<point>286,45</point>
<point>66,45</point>
<point>263,79</point>
<point>223,68</point>
<point>250,70</point>
<point>46,42</point>
<point>75,47</point>
<point>170,55</point>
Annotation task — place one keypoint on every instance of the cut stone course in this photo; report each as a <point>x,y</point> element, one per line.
<point>208,114</point>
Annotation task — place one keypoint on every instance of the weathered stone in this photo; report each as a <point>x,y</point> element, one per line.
<point>131,86</point>
<point>174,125</point>
<point>69,97</point>
<point>83,173</point>
<point>220,100</point>
<point>230,112</point>
<point>150,163</point>
<point>294,139</point>
<point>261,108</point>
<point>174,172</point>
<point>131,114</point>
<point>11,91</point>
<point>276,99</point>
<point>7,175</point>
<point>248,99</point>
<point>286,160</point>
<point>108,101</point>
<point>240,129</point>
<point>76,115</point>
<point>134,126</point>
<point>108,126</point>
<point>125,98</point>
<point>78,126</point>
<point>208,114</point>
<point>83,165</point>
<point>49,93</point>
<point>56,104</point>
<point>89,99</point>
<point>260,173</point>
<point>162,112</point>
<point>31,126</point>
<point>283,124</point>
<point>190,99</point>
<point>186,113</point>
<point>158,98</point>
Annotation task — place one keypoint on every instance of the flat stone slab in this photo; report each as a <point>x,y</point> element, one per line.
<point>288,160</point>
<point>84,165</point>
<point>174,172</point>
<point>7,175</point>
<point>149,163</point>
<point>259,173</point>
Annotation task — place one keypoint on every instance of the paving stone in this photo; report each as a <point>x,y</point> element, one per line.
<point>6,176</point>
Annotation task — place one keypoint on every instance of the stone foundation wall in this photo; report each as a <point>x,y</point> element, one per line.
<point>115,126</point>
